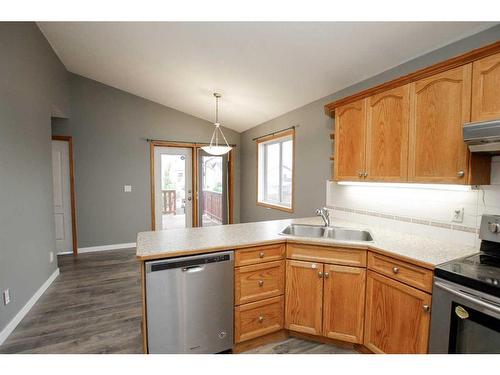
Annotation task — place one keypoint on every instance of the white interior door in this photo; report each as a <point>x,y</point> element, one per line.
<point>173,187</point>
<point>62,196</point>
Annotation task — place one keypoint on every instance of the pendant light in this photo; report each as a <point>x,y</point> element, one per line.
<point>214,148</point>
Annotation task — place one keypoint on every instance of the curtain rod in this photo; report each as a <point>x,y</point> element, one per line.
<point>186,142</point>
<point>275,132</point>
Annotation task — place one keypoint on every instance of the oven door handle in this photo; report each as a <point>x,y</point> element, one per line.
<point>476,301</point>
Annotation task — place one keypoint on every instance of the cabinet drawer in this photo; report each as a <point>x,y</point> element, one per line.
<point>259,254</point>
<point>407,273</point>
<point>324,254</point>
<point>258,318</point>
<point>259,281</point>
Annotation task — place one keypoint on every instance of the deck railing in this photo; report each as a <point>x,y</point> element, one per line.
<point>168,201</point>
<point>212,205</point>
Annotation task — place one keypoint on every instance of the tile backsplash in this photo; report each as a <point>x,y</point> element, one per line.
<point>419,211</point>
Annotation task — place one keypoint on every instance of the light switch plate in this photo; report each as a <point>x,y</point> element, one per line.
<point>458,215</point>
<point>6,296</point>
<point>127,188</point>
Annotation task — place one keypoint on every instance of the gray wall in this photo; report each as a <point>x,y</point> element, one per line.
<point>313,145</point>
<point>32,84</point>
<point>109,128</point>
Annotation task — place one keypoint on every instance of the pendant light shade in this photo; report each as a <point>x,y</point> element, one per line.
<point>215,148</point>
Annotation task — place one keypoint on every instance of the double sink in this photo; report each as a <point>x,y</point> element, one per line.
<point>333,233</point>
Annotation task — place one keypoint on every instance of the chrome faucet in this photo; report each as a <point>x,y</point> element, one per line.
<point>325,215</point>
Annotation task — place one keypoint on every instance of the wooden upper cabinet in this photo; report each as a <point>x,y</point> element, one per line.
<point>344,303</point>
<point>397,317</point>
<point>387,135</point>
<point>349,161</point>
<point>486,88</point>
<point>439,106</point>
<point>304,296</point>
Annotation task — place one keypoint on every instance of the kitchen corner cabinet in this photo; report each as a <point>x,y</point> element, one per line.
<point>325,300</point>
<point>486,88</point>
<point>439,106</point>
<point>397,316</point>
<point>349,159</point>
<point>387,135</point>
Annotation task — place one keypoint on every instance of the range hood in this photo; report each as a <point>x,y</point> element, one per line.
<point>483,136</point>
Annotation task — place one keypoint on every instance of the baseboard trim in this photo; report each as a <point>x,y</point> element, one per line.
<point>27,307</point>
<point>117,246</point>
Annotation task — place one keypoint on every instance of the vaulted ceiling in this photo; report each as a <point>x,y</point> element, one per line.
<point>262,69</point>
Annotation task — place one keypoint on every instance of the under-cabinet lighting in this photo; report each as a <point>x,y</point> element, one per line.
<point>408,186</point>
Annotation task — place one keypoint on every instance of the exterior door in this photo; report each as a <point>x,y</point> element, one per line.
<point>486,88</point>
<point>344,303</point>
<point>213,186</point>
<point>350,121</point>
<point>62,196</point>
<point>173,187</point>
<point>440,105</point>
<point>304,296</point>
<point>397,317</point>
<point>388,116</point>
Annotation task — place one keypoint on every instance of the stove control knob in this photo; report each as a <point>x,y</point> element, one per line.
<point>494,227</point>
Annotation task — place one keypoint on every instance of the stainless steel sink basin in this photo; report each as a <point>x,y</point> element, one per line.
<point>303,230</point>
<point>344,234</point>
<point>334,233</point>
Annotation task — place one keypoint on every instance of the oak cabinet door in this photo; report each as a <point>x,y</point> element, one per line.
<point>439,106</point>
<point>344,303</point>
<point>486,88</point>
<point>350,124</point>
<point>387,122</point>
<point>397,317</point>
<point>304,296</point>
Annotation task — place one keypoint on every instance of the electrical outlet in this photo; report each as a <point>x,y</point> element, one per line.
<point>51,256</point>
<point>127,188</point>
<point>458,215</point>
<point>6,296</point>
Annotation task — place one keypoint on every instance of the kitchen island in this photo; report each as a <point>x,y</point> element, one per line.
<point>318,288</point>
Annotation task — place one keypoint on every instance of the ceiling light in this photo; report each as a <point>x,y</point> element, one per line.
<point>214,148</point>
<point>408,185</point>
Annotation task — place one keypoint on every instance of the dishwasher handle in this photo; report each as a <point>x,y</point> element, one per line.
<point>193,269</point>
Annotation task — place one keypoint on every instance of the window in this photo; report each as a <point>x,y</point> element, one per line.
<point>275,171</point>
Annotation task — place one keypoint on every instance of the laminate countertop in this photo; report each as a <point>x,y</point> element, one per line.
<point>420,250</point>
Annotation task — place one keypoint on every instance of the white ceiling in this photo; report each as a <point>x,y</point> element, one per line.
<point>262,69</point>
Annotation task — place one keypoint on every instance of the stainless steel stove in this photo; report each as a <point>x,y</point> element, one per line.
<point>466,298</point>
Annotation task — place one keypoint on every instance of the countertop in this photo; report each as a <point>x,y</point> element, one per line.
<point>179,242</point>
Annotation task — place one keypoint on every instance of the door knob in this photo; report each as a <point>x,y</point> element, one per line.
<point>261,254</point>
<point>360,174</point>
<point>395,269</point>
<point>460,173</point>
<point>261,319</point>
<point>327,275</point>
<point>365,174</point>
<point>320,274</point>
<point>261,282</point>
<point>426,308</point>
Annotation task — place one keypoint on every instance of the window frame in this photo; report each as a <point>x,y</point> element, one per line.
<point>277,138</point>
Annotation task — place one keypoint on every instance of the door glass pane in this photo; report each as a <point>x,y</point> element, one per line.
<point>173,191</point>
<point>212,185</point>
<point>287,155</point>
<point>272,192</point>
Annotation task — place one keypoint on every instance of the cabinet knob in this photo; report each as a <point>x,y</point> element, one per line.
<point>365,174</point>
<point>395,269</point>
<point>320,274</point>
<point>261,319</point>
<point>261,254</point>
<point>360,174</point>
<point>460,173</point>
<point>261,282</point>
<point>426,308</point>
<point>327,275</point>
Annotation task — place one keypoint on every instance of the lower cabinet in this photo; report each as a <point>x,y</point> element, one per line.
<point>324,299</point>
<point>397,316</point>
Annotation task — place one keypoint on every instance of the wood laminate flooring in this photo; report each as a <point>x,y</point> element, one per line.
<point>94,306</point>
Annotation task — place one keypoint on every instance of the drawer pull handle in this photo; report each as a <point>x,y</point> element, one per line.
<point>426,308</point>
<point>261,319</point>
<point>395,269</point>
<point>261,282</point>
<point>261,254</point>
<point>327,275</point>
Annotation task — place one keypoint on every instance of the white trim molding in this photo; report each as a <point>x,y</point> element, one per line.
<point>106,247</point>
<point>27,307</point>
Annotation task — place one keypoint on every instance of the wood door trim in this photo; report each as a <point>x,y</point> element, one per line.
<point>428,71</point>
<point>194,180</point>
<point>69,139</point>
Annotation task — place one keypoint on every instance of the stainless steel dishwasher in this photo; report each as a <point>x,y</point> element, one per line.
<point>189,303</point>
